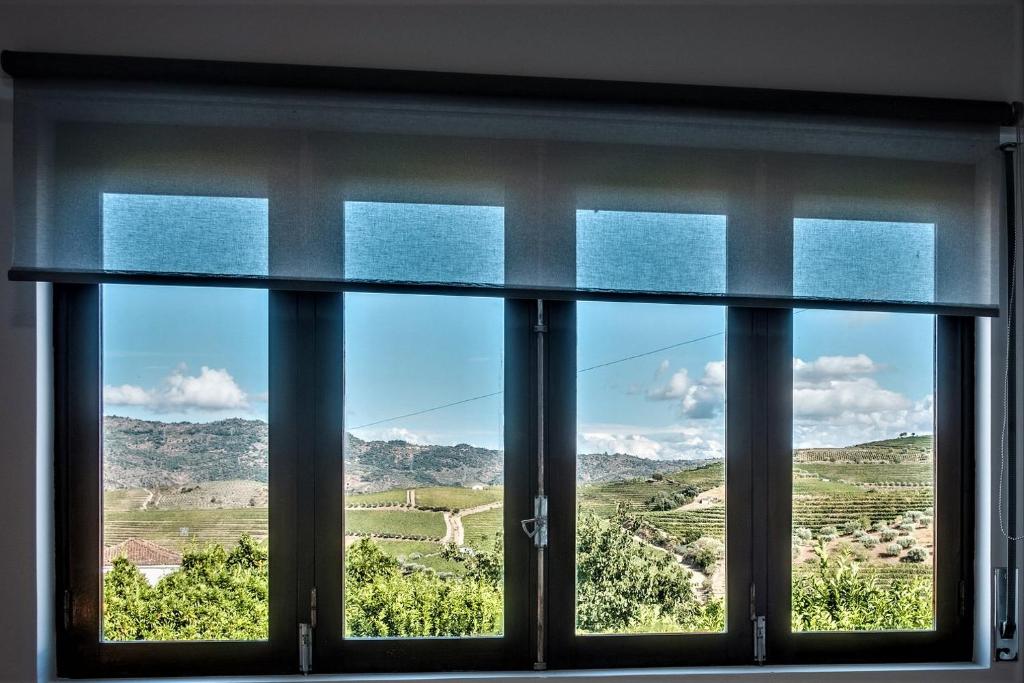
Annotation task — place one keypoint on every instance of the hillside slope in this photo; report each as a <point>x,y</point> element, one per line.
<point>147,454</point>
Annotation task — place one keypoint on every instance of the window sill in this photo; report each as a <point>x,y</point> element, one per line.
<point>749,674</point>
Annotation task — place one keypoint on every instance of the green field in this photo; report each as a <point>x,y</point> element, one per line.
<point>175,529</point>
<point>811,486</point>
<point>482,527</point>
<point>390,497</point>
<point>453,498</point>
<point>688,525</point>
<point>123,500</point>
<point>871,473</point>
<point>422,553</point>
<point>636,494</point>
<point>877,505</point>
<point>394,523</point>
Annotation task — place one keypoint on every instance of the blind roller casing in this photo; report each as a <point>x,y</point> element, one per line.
<point>288,188</point>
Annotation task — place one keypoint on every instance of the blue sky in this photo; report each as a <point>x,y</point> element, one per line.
<point>179,353</point>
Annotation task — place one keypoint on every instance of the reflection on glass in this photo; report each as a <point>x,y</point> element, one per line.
<point>185,457</point>
<point>847,259</point>
<point>425,242</point>
<point>650,526</point>
<point>863,471</point>
<point>650,251</point>
<point>424,466</point>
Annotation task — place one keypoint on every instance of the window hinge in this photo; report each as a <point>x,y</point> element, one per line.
<point>536,527</point>
<point>305,648</point>
<point>67,609</point>
<point>962,597</point>
<point>759,645</point>
<point>312,608</point>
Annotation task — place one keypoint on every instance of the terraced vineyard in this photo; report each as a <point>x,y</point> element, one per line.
<point>123,500</point>
<point>686,526</point>
<point>175,529</point>
<point>482,528</point>
<point>390,497</point>
<point>841,507</point>
<point>907,473</point>
<point>637,494</point>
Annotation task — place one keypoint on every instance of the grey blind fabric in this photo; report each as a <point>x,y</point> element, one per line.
<point>342,191</point>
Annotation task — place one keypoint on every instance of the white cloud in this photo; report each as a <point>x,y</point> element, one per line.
<point>863,395</point>
<point>698,400</point>
<point>630,444</point>
<point>836,402</point>
<point>126,395</point>
<point>693,441</point>
<point>676,387</point>
<point>211,389</point>
<point>827,368</point>
<point>395,434</point>
<point>663,367</point>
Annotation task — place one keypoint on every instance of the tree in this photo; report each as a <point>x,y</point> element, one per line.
<point>383,599</point>
<point>215,595</point>
<point>837,597</point>
<point>126,598</point>
<point>624,585</point>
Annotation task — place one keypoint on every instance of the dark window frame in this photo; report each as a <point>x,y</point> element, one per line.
<point>306,378</point>
<point>332,652</point>
<point>953,637</point>
<point>78,509</point>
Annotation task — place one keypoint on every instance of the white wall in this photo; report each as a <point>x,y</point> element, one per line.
<point>947,49</point>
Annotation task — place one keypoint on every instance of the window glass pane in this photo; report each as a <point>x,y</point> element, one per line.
<point>845,259</point>
<point>424,466</point>
<point>863,471</point>
<point>424,242</point>
<point>650,539</point>
<point>185,456</point>
<point>175,234</point>
<point>650,251</point>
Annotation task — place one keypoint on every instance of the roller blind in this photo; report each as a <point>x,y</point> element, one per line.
<point>510,196</point>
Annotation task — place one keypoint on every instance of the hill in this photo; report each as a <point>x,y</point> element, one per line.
<point>905,449</point>
<point>148,454</point>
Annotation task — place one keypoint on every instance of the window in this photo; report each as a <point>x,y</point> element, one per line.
<point>424,489</point>
<point>185,464</point>
<point>375,381</point>
<point>650,469</point>
<point>864,471</point>
<point>402,432</point>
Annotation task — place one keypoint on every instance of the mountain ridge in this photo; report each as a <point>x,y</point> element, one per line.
<point>150,453</point>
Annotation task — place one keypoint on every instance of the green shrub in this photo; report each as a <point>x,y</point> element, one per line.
<point>704,553</point>
<point>887,536</point>
<point>803,533</point>
<point>869,542</point>
<point>925,521</point>
<point>837,597</point>
<point>917,555</point>
<point>893,550</point>
<point>827,531</point>
<point>905,541</point>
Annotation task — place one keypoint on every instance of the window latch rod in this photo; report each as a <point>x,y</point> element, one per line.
<point>536,527</point>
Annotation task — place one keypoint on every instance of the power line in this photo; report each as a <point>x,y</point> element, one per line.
<point>430,410</point>
<point>580,371</point>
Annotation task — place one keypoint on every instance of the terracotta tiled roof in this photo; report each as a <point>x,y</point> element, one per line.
<point>141,553</point>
